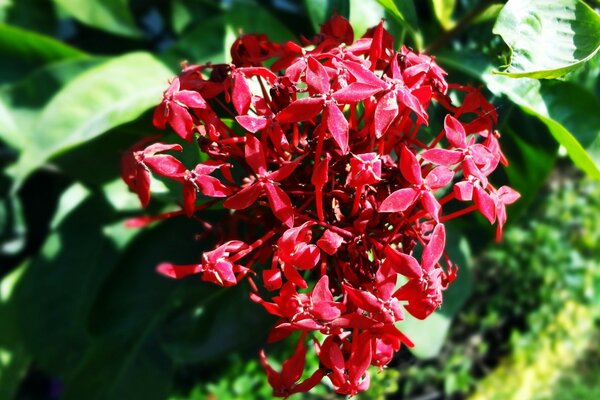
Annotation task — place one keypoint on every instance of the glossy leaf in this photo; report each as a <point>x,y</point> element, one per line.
<point>108,95</point>
<point>548,38</point>
<point>569,112</point>
<point>22,102</point>
<point>110,15</point>
<point>564,107</point>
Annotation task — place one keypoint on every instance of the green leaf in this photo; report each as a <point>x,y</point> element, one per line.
<point>428,335</point>
<point>109,15</point>
<point>205,332</point>
<point>22,102</point>
<point>34,15</point>
<point>132,309</point>
<point>105,96</point>
<point>187,12</point>
<point>443,10</point>
<point>405,14</point>
<point>548,38</point>
<point>365,14</point>
<point>531,156</point>
<point>320,11</point>
<point>14,358</point>
<point>211,34</point>
<point>568,110</point>
<point>23,51</point>
<point>69,272</point>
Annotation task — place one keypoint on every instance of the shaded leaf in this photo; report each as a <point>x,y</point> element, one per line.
<point>68,273</point>
<point>210,33</point>
<point>23,51</point>
<point>35,15</point>
<point>548,39</point>
<point>320,11</point>
<point>569,112</point>
<point>14,358</point>
<point>109,15</point>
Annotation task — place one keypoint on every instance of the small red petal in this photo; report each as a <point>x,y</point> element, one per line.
<point>178,271</point>
<point>398,201</point>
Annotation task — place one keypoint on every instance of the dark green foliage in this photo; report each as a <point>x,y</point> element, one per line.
<point>549,258</point>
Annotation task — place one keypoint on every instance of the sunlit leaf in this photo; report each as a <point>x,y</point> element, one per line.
<point>568,110</point>
<point>105,96</point>
<point>365,14</point>
<point>110,15</point>
<point>443,10</point>
<point>548,38</point>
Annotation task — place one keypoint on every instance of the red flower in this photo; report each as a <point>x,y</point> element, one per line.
<point>174,110</point>
<point>327,142</point>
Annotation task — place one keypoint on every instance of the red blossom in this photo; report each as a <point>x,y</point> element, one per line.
<point>326,187</point>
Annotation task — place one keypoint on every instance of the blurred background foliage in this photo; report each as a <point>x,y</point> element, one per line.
<point>83,315</point>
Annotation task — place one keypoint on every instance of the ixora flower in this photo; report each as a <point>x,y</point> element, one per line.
<point>325,150</point>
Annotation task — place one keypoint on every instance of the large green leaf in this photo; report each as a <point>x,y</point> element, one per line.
<point>22,102</point>
<point>142,325</point>
<point>67,275</point>
<point>23,51</point>
<point>405,14</point>
<point>110,15</point>
<point>14,358</point>
<point>548,38</point>
<point>320,11</point>
<point>568,110</point>
<point>105,96</point>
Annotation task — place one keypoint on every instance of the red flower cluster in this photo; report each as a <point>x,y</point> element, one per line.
<point>326,150</point>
